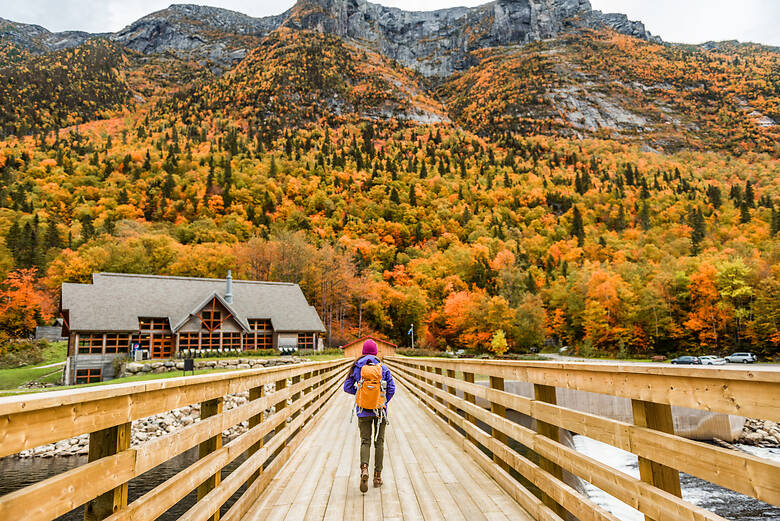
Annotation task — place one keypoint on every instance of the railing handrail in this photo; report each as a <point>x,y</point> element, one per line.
<point>43,400</point>
<point>651,438</point>
<point>740,392</point>
<point>757,374</point>
<point>113,462</point>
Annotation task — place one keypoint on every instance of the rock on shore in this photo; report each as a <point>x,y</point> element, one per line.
<point>761,433</point>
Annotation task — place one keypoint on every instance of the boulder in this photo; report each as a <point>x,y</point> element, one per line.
<point>134,367</point>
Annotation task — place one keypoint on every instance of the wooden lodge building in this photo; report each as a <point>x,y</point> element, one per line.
<point>354,349</point>
<point>120,313</point>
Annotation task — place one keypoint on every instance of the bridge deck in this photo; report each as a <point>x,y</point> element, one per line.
<point>426,475</point>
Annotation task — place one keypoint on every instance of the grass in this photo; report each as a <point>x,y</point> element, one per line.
<point>16,377</point>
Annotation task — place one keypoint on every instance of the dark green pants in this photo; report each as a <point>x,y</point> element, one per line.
<point>367,425</point>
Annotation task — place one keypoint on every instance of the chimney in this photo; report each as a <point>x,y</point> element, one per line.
<point>229,288</point>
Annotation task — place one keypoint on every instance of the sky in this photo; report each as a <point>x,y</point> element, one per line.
<point>683,21</point>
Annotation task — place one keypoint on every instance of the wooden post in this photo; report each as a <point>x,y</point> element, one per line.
<point>438,385</point>
<point>207,409</point>
<point>255,393</point>
<point>451,390</point>
<point>295,397</point>
<point>280,385</point>
<point>546,393</point>
<point>497,409</point>
<point>101,444</point>
<point>656,416</point>
<point>469,377</point>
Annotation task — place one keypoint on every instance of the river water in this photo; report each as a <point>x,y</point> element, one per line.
<point>18,473</point>
<point>724,502</point>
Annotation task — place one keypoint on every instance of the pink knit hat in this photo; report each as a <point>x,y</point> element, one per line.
<point>369,347</point>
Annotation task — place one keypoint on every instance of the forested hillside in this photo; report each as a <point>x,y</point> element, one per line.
<point>464,205</point>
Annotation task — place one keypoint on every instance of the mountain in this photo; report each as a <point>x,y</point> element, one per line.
<point>434,43</point>
<point>218,37</point>
<point>533,66</point>
<point>299,76</point>
<point>36,39</point>
<point>529,166</point>
<point>437,43</point>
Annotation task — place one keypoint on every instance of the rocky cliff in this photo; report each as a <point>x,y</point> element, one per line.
<point>36,39</point>
<point>434,43</point>
<point>438,43</point>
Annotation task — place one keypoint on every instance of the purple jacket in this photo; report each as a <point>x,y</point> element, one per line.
<point>354,376</point>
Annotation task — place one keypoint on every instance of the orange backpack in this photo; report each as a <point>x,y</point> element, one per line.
<point>370,393</point>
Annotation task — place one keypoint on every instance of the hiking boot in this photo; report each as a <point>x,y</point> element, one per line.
<point>377,478</point>
<point>363,478</point>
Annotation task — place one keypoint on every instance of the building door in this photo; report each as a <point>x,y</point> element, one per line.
<point>162,346</point>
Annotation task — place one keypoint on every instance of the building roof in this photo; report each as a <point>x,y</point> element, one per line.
<point>115,301</point>
<point>377,339</point>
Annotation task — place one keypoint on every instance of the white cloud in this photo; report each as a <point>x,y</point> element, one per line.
<point>689,21</point>
<point>698,21</point>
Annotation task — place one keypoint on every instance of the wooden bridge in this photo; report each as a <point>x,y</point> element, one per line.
<point>451,453</point>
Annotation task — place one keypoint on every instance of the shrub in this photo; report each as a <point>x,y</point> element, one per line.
<point>23,352</point>
<point>310,352</point>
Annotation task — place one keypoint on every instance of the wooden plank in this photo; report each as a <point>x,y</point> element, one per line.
<point>658,417</point>
<point>641,496</point>
<point>161,498</point>
<point>107,442</point>
<point>497,383</point>
<point>528,501</point>
<point>207,409</point>
<point>754,393</point>
<point>32,420</point>
<point>744,473</point>
<point>217,497</point>
<point>580,506</point>
<point>546,393</point>
<point>255,393</point>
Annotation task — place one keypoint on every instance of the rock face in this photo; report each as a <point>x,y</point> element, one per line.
<point>36,39</point>
<point>437,43</point>
<point>207,34</point>
<point>434,43</point>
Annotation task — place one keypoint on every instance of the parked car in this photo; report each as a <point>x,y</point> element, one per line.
<point>712,360</point>
<point>741,358</point>
<point>687,360</point>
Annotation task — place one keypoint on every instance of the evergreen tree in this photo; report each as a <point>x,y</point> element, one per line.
<point>749,195</point>
<point>52,237</point>
<point>698,232</point>
<point>394,196</point>
<point>744,212</point>
<point>775,225</point>
<point>644,217</point>
<point>577,227</point>
<point>412,195</point>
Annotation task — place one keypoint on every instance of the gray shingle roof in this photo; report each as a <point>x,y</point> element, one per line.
<point>114,301</point>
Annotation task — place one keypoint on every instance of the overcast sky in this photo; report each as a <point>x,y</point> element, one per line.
<point>688,21</point>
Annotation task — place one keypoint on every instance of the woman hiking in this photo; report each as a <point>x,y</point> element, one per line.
<point>372,384</point>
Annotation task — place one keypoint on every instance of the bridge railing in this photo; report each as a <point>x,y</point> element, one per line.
<point>107,413</point>
<point>535,475</point>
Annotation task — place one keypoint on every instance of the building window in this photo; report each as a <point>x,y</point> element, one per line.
<point>90,344</point>
<point>188,341</point>
<point>260,324</point>
<point>305,340</point>
<point>209,341</point>
<point>211,318</point>
<point>153,324</point>
<point>231,340</point>
<point>117,343</point>
<point>88,376</point>
<point>265,341</point>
